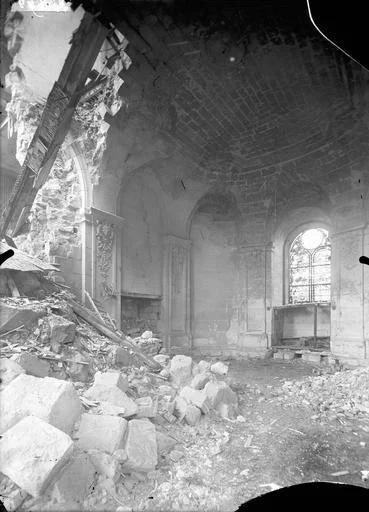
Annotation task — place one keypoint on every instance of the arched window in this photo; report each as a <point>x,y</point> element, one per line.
<point>310,267</point>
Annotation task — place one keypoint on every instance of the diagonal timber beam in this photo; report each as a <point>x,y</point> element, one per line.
<point>55,122</point>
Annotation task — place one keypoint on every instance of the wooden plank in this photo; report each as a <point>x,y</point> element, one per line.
<point>94,306</point>
<point>86,315</point>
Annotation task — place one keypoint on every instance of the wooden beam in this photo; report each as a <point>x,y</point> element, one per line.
<point>55,122</point>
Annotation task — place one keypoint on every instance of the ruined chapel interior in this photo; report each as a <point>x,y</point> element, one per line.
<point>192,170</point>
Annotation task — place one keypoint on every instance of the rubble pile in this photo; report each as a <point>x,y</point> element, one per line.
<point>343,394</point>
<point>78,427</point>
<point>147,343</point>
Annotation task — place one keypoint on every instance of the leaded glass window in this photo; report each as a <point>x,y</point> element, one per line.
<point>310,267</point>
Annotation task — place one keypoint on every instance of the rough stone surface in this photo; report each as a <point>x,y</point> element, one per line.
<point>58,330</point>
<point>147,408</point>
<point>220,392</point>
<point>76,371</point>
<point>121,356</point>
<point>161,359</point>
<point>9,370</point>
<point>141,446</point>
<point>227,410</point>
<point>202,367</point>
<point>164,443</point>
<point>196,397</point>
<point>219,368</point>
<point>111,378</point>
<point>180,369</point>
<point>146,335</point>
<point>105,463</point>
<point>75,480</point>
<point>32,452</point>
<point>114,396</point>
<point>180,406</point>
<point>192,415</point>
<point>98,432</point>
<point>32,365</point>
<point>199,380</point>
<point>53,400</point>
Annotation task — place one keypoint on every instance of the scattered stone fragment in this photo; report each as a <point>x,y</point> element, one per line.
<point>31,364</point>
<point>219,368</point>
<point>147,408</point>
<point>220,392</point>
<point>227,410</point>
<point>32,452</point>
<point>196,397</point>
<point>141,446</point>
<point>165,390</point>
<point>76,370</point>
<point>98,432</point>
<point>120,455</point>
<point>180,407</point>
<point>192,415</point>
<point>58,330</point>
<point>165,373</point>
<point>161,359</point>
<point>76,479</point>
<point>9,370</point>
<point>109,409</point>
<point>55,401</point>
<point>202,367</point>
<point>146,335</point>
<point>120,356</point>
<point>176,455</point>
<point>199,380</point>
<point>114,396</point>
<point>111,378</point>
<point>180,369</point>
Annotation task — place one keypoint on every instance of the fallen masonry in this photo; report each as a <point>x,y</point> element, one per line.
<point>66,441</point>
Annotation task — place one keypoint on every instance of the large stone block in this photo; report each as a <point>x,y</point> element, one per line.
<point>180,369</point>
<point>104,433</point>
<point>32,365</point>
<point>114,396</point>
<point>220,392</point>
<point>32,452</point>
<point>76,479</point>
<point>54,401</point>
<point>111,378</point>
<point>192,415</point>
<point>9,370</point>
<point>196,397</point>
<point>219,368</point>
<point>140,446</point>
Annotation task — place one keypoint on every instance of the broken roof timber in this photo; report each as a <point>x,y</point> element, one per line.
<point>55,122</point>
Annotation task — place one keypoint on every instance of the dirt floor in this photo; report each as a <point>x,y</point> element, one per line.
<point>221,464</point>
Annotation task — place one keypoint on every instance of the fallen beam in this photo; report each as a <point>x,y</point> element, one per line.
<point>90,318</point>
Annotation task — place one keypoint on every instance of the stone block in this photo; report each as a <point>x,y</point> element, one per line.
<point>58,330</point>
<point>228,411</point>
<point>111,378</point>
<point>9,370</point>
<point>105,464</point>
<point>288,356</point>
<point>180,406</point>
<point>76,479</point>
<point>121,356</point>
<point>219,368</point>
<point>199,380</point>
<point>180,369</point>
<point>196,397</point>
<point>52,400</point>
<point>278,355</point>
<point>147,408</point>
<point>114,396</point>
<point>140,446</point>
<point>220,392</point>
<point>192,415</point>
<point>77,371</point>
<point>311,357</point>
<point>162,359</point>
<point>32,452</point>
<point>32,365</point>
<point>146,335</point>
<point>98,432</point>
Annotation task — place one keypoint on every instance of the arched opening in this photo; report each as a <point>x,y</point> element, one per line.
<point>303,321</point>
<point>309,262</point>
<point>213,234</point>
